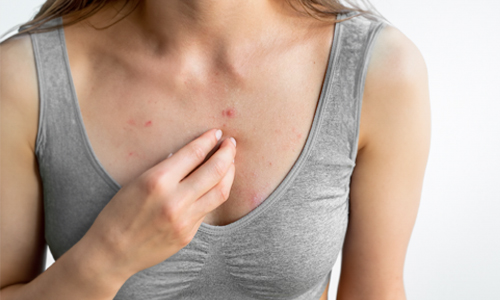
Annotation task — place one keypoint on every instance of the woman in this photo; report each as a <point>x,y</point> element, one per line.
<point>90,113</point>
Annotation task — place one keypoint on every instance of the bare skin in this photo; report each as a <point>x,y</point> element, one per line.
<point>145,92</point>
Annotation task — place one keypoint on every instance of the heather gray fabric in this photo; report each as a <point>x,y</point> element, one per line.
<point>283,249</point>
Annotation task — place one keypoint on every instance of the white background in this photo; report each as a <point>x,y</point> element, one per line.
<point>454,252</point>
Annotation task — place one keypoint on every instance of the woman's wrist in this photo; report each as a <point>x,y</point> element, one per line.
<point>94,267</point>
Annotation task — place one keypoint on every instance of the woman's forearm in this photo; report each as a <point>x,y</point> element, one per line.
<point>83,272</point>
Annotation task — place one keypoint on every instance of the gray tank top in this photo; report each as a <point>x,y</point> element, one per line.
<point>283,249</point>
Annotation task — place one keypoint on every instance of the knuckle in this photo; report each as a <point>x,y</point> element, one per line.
<point>223,194</point>
<point>186,193</point>
<point>155,184</point>
<point>170,212</point>
<point>177,230</point>
<point>219,168</point>
<point>198,152</point>
<point>185,240</point>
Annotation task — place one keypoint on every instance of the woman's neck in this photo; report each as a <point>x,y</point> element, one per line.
<point>199,37</point>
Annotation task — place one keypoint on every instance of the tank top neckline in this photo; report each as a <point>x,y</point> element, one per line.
<point>278,191</point>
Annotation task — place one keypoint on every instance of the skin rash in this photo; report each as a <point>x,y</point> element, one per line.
<point>257,197</point>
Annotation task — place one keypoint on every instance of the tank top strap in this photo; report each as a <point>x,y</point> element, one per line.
<point>355,40</point>
<point>55,94</point>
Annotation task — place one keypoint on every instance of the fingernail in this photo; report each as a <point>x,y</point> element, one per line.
<point>218,134</point>
<point>233,140</point>
<point>169,155</point>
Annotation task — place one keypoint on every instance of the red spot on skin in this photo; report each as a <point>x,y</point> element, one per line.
<point>224,124</point>
<point>298,134</point>
<point>148,123</point>
<point>270,163</point>
<point>254,175</point>
<point>131,122</point>
<point>130,154</point>
<point>256,198</point>
<point>230,112</point>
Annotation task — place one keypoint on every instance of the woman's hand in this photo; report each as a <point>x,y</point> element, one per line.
<point>156,215</point>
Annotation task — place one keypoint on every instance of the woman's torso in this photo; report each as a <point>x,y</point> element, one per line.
<point>136,111</point>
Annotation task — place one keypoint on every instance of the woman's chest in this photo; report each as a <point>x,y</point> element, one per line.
<point>134,121</point>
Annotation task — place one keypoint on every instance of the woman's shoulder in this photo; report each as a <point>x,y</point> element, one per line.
<point>396,85</point>
<point>394,53</point>
<point>19,92</point>
<point>387,181</point>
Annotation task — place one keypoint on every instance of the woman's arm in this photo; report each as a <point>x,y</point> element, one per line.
<point>77,274</point>
<point>387,181</point>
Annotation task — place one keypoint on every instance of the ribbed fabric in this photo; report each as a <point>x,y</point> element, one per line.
<point>283,249</point>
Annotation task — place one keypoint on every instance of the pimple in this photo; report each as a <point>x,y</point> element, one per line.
<point>230,112</point>
<point>148,123</point>
<point>256,199</point>
<point>131,122</point>
<point>270,163</point>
